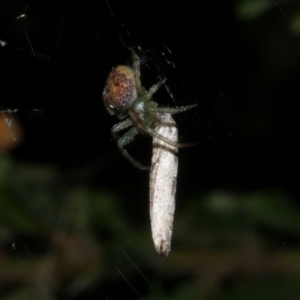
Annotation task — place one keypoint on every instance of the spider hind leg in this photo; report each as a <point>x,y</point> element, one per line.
<point>126,139</point>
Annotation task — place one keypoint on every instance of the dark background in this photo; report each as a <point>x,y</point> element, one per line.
<point>74,220</point>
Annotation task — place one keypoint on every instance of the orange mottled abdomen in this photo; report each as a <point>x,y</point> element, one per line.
<point>120,90</point>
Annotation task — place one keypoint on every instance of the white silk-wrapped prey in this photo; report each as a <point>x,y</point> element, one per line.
<point>163,180</point>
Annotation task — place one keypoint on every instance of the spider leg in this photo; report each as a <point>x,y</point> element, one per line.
<point>175,110</point>
<point>155,87</point>
<point>153,133</point>
<point>136,69</point>
<point>137,75</point>
<point>126,139</point>
<point>121,125</point>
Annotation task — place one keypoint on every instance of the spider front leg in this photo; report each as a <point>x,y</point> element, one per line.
<point>175,110</point>
<point>171,111</point>
<point>153,133</point>
<point>136,69</point>
<point>137,76</point>
<point>126,139</point>
<point>155,88</point>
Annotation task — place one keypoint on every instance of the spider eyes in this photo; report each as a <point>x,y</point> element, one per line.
<point>120,90</point>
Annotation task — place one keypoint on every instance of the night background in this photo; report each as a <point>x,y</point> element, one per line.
<point>74,213</point>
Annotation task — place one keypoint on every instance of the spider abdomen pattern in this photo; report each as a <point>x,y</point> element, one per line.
<point>120,90</point>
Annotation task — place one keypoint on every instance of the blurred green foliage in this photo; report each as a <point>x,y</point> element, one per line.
<point>57,238</point>
<point>248,9</point>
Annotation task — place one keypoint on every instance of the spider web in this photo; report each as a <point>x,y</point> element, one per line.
<point>56,57</point>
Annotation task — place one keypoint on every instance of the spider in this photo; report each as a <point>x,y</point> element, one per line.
<point>125,97</point>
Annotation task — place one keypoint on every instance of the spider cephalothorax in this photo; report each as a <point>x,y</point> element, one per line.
<point>125,97</point>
